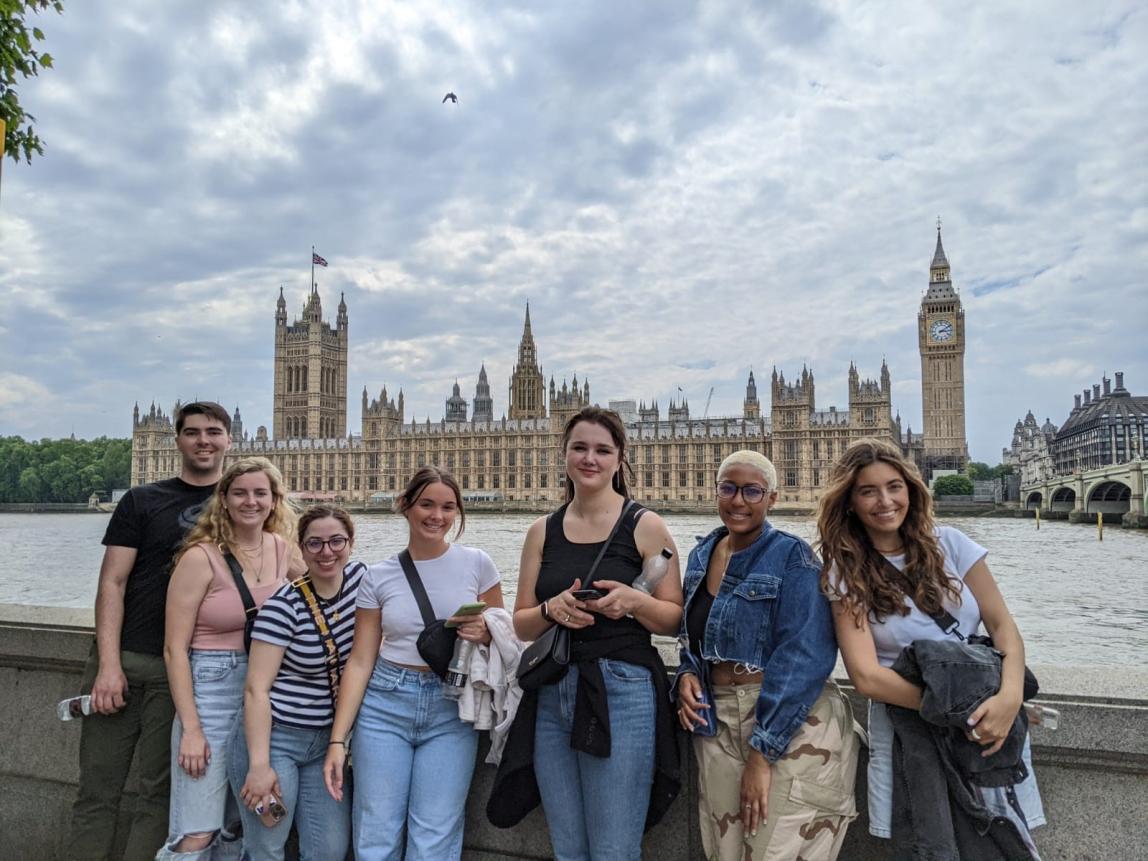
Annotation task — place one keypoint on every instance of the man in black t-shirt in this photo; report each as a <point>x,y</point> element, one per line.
<point>131,702</point>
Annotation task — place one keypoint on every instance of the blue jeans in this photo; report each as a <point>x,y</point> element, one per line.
<point>596,806</point>
<point>324,824</point>
<point>413,760</point>
<point>204,805</point>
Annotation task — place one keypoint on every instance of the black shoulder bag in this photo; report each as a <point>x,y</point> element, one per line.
<point>948,623</point>
<point>436,642</point>
<point>544,661</point>
<point>249,608</point>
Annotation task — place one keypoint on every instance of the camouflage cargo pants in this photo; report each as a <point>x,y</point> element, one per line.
<point>811,793</point>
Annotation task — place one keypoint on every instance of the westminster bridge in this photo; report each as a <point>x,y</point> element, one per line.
<point>1117,489</point>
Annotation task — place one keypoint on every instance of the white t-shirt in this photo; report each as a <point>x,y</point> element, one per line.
<point>892,635</point>
<point>457,577</point>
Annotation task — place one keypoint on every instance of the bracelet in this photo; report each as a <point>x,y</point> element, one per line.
<point>342,742</point>
<point>545,607</point>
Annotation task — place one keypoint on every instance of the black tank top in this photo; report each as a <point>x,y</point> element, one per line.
<point>563,561</point>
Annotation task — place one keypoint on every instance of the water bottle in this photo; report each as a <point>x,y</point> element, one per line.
<point>1041,715</point>
<point>653,570</point>
<point>459,669</point>
<point>74,707</point>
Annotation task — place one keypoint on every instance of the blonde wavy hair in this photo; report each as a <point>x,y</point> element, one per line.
<point>865,583</point>
<point>214,524</point>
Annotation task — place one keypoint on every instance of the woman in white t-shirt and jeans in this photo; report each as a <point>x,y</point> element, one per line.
<point>877,507</point>
<point>413,756</point>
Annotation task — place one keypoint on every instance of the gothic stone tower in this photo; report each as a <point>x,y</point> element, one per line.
<point>751,406</point>
<point>527,386</point>
<point>310,372</point>
<point>483,403</point>
<point>566,401</point>
<point>941,338</point>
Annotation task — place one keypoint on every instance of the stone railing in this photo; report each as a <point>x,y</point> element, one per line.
<point>1092,771</point>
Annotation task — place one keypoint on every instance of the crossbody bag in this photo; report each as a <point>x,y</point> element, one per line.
<point>249,609</point>
<point>436,641</point>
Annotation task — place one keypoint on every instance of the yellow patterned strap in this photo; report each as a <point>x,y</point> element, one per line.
<point>303,585</point>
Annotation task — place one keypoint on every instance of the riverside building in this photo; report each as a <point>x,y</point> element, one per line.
<point>517,460</point>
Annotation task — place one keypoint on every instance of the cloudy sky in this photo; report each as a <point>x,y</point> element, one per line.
<point>681,192</point>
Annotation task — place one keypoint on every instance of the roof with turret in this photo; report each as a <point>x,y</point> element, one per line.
<point>1103,406</point>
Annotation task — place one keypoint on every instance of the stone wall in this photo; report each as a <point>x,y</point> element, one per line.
<point>1092,771</point>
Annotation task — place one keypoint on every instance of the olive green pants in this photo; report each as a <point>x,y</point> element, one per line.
<point>811,791</point>
<point>142,728</point>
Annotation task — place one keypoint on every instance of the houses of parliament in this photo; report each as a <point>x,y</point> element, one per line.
<point>516,459</point>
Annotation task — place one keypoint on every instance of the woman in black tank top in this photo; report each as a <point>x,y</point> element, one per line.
<point>603,749</point>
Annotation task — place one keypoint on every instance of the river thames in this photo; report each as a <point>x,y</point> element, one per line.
<point>1078,601</point>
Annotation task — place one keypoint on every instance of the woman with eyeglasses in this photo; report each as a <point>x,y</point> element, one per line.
<point>773,735</point>
<point>300,642</point>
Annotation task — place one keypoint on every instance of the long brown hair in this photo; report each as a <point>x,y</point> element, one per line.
<point>214,524</point>
<point>869,587</point>
<point>612,422</point>
<point>418,483</point>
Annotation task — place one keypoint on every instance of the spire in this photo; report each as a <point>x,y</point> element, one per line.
<point>939,258</point>
<point>526,328</point>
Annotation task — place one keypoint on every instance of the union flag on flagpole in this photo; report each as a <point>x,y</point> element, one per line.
<point>316,260</point>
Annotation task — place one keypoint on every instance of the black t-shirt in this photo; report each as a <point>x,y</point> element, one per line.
<point>152,518</point>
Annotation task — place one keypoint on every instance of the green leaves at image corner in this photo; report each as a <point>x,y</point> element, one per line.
<point>21,59</point>
<point>62,470</point>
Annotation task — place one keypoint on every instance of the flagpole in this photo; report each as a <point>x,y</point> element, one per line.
<point>312,268</point>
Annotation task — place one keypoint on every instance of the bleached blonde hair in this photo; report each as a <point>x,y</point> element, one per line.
<point>754,460</point>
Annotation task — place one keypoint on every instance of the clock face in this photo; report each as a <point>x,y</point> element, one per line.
<point>941,330</point>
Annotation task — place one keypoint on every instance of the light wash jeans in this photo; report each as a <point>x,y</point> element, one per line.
<point>881,781</point>
<point>596,806</point>
<point>205,805</point>
<point>324,824</point>
<point>413,760</point>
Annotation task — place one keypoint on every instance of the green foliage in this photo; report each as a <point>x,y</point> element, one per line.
<point>953,485</point>
<point>978,471</point>
<point>20,59</point>
<point>62,470</point>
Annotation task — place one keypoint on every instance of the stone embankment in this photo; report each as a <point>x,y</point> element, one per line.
<point>1093,771</point>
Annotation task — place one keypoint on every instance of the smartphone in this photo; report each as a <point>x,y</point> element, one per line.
<point>467,610</point>
<point>589,594</point>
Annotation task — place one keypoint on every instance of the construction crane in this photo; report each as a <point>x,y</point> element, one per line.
<point>709,397</point>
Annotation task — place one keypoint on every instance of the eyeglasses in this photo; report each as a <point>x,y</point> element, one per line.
<point>750,493</point>
<point>336,542</point>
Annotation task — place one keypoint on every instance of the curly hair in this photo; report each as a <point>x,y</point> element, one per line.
<point>214,525</point>
<point>867,585</point>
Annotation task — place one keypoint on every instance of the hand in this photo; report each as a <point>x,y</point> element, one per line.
<point>108,690</point>
<point>194,752</point>
<point>755,781</point>
<point>568,611</point>
<point>261,782</point>
<point>689,701</point>
<point>991,721</point>
<point>333,767</point>
<point>472,628</point>
<point>621,601</point>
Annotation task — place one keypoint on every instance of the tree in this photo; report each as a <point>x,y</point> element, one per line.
<point>953,485</point>
<point>20,59</point>
<point>978,471</point>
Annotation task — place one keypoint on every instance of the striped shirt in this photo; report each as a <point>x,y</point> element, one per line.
<point>301,692</point>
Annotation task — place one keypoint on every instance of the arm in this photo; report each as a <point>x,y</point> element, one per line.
<point>352,686</point>
<point>262,668</point>
<point>661,612</point>
<point>993,718</point>
<point>529,623</point>
<point>860,655</point>
<point>110,685</point>
<point>473,628</point>
<point>185,592</point>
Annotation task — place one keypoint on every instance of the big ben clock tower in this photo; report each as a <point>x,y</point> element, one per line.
<point>941,337</point>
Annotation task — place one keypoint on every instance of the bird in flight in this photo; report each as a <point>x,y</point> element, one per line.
<point>453,98</point>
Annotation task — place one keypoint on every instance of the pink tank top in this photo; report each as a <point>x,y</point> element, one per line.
<point>220,620</point>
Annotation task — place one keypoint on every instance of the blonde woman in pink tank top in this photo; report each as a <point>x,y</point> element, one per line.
<point>249,518</point>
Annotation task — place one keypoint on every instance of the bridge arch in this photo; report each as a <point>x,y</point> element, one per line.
<point>1033,500</point>
<point>1109,497</point>
<point>1063,499</point>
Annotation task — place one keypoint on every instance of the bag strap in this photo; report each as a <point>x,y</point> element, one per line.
<point>249,608</point>
<point>334,671</point>
<point>944,619</point>
<point>417,588</point>
<point>609,538</point>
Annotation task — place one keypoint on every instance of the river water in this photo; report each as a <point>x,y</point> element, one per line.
<point>1078,601</point>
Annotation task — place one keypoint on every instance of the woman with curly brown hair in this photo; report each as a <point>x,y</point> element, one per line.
<point>889,569</point>
<point>248,520</point>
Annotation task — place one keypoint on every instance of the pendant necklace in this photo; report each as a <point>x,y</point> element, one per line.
<point>334,600</point>
<point>246,552</point>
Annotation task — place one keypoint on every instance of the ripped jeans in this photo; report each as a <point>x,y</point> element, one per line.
<point>205,805</point>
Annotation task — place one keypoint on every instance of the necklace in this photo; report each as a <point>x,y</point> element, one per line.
<point>246,552</point>
<point>334,600</point>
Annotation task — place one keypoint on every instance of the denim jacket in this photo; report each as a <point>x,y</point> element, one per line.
<point>770,615</point>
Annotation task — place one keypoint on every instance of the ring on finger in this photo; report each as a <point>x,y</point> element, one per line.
<point>567,619</point>
<point>976,735</point>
